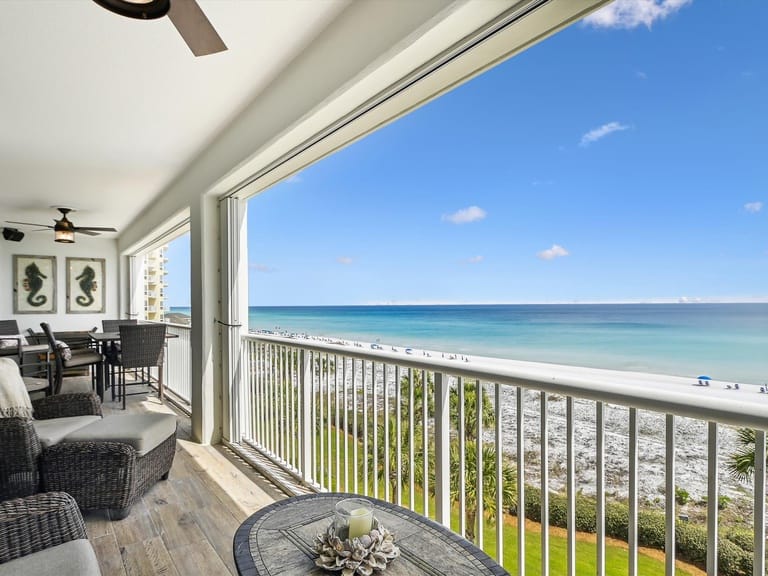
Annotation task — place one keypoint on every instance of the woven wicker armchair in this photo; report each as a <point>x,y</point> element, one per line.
<point>21,446</point>
<point>30,526</point>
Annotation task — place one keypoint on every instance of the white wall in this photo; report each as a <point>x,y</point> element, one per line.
<point>42,244</point>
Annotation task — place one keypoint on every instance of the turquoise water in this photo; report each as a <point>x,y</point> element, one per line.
<point>726,341</point>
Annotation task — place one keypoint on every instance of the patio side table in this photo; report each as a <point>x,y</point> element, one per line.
<point>278,540</point>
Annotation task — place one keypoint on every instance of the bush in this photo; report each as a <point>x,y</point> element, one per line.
<point>744,539</point>
<point>733,560</point>
<point>617,520</point>
<point>735,546</point>
<point>651,529</point>
<point>681,496</point>
<point>691,542</point>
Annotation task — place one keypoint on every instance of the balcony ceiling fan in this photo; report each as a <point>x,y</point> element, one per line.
<point>64,230</point>
<point>186,15</point>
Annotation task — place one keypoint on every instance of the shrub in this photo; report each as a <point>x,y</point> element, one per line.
<point>617,520</point>
<point>691,542</point>
<point>681,496</point>
<point>733,560</point>
<point>651,529</point>
<point>744,539</point>
<point>735,546</point>
<point>722,502</point>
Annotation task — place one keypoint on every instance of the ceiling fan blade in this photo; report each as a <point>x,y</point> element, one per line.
<point>29,224</point>
<point>86,231</point>
<point>195,28</point>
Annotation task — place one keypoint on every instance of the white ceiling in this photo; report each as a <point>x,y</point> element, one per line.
<point>116,118</point>
<point>102,112</point>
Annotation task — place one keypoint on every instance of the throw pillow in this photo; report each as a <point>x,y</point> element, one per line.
<point>63,348</point>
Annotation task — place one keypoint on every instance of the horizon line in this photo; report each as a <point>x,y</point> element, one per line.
<point>684,300</point>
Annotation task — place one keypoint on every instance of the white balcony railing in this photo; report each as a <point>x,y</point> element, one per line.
<point>177,365</point>
<point>402,425</point>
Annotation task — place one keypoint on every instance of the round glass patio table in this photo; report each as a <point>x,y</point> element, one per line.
<point>278,541</point>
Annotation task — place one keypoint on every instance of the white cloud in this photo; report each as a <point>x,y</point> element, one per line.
<point>465,215</point>
<point>346,260</point>
<point>753,207</point>
<point>641,75</point>
<point>556,251</point>
<point>633,13</point>
<point>261,268</point>
<point>474,259</point>
<point>293,179</point>
<point>601,132</point>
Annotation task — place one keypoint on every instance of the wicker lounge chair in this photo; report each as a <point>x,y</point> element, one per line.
<point>44,534</point>
<point>22,445</point>
<point>104,463</point>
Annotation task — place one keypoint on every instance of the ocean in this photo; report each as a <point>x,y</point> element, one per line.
<point>725,341</point>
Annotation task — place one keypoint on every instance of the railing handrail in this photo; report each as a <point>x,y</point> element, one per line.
<point>656,392</point>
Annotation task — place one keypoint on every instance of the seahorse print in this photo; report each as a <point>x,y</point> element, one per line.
<point>87,285</point>
<point>34,279</point>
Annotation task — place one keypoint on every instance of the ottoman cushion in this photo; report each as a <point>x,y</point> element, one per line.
<point>144,432</point>
<point>52,430</point>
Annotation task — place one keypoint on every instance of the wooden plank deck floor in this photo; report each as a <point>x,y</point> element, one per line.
<point>184,525</point>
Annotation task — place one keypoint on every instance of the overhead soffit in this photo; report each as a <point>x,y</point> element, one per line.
<point>102,112</point>
<point>469,40</point>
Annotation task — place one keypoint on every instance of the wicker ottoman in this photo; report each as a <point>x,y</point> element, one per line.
<point>113,462</point>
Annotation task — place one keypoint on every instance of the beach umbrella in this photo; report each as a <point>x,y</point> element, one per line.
<point>704,380</point>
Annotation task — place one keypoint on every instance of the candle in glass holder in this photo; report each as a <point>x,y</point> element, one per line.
<point>354,517</point>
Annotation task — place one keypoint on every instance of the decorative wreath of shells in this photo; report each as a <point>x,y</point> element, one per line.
<point>363,556</point>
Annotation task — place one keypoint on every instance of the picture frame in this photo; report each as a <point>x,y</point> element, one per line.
<point>34,284</point>
<point>86,279</point>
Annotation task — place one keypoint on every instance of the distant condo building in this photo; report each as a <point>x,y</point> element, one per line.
<point>154,284</point>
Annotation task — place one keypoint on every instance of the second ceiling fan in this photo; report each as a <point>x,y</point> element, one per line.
<point>186,15</point>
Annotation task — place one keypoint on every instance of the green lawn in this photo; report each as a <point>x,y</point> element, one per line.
<point>586,551</point>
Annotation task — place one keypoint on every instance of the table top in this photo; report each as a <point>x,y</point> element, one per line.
<point>112,336</point>
<point>278,541</point>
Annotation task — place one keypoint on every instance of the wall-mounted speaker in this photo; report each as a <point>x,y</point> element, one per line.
<point>12,234</point>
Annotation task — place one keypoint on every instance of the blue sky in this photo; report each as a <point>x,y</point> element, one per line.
<point>621,160</point>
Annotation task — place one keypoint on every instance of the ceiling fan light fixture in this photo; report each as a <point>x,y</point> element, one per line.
<point>64,231</point>
<point>139,9</point>
<point>65,236</point>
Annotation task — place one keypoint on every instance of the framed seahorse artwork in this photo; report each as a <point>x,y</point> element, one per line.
<point>85,285</point>
<point>34,284</point>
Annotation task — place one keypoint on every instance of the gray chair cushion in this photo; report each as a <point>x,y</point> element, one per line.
<point>142,431</point>
<point>52,431</point>
<point>75,558</point>
<point>82,359</point>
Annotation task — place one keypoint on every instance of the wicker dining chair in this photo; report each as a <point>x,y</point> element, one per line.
<point>86,358</point>
<point>141,346</point>
<point>13,342</point>
<point>112,351</point>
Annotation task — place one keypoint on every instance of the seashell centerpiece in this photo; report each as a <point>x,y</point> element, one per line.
<point>359,556</point>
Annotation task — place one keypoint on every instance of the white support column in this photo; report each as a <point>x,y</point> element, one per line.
<point>206,375</point>
<point>233,317</point>
<point>442,452</point>
<point>134,308</point>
